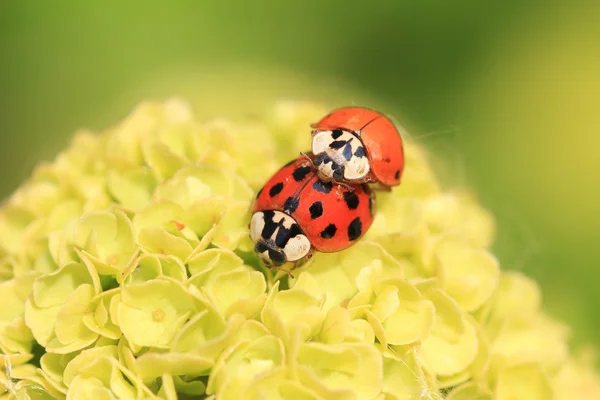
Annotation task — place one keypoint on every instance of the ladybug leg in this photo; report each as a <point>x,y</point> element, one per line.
<point>308,158</point>
<point>341,186</point>
<point>279,269</point>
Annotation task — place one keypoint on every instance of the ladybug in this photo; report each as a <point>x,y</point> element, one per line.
<point>296,212</point>
<point>358,145</point>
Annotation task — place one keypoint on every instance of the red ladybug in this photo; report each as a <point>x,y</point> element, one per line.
<point>296,212</point>
<point>358,145</point>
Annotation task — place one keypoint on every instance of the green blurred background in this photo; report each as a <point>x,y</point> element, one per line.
<point>508,93</point>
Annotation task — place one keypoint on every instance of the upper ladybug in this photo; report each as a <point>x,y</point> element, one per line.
<point>296,211</point>
<point>358,145</point>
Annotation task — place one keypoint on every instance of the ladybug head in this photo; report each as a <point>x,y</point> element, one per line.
<point>277,238</point>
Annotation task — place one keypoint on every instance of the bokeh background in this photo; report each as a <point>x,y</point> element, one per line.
<point>507,93</point>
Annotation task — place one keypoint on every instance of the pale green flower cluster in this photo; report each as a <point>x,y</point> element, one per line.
<point>127,272</point>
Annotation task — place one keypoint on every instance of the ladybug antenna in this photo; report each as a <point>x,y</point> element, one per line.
<point>365,125</point>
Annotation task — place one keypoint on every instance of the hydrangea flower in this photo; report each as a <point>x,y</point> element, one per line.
<point>127,271</point>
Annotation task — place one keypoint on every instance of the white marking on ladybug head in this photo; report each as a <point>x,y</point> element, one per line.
<point>257,224</point>
<point>340,154</point>
<point>297,248</point>
<point>357,168</point>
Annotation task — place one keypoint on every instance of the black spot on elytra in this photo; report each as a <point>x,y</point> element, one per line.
<point>300,173</point>
<point>355,229</point>
<point>397,174</point>
<point>276,189</point>
<point>347,151</point>
<point>316,209</point>
<point>360,152</point>
<point>337,144</point>
<point>291,204</point>
<point>323,187</point>
<point>351,200</point>
<point>329,231</point>
<point>336,133</point>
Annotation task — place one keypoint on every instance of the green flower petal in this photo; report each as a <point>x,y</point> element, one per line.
<point>203,338</point>
<point>240,291</point>
<point>192,388</point>
<point>158,240</point>
<point>540,339</point>
<point>151,313</point>
<point>336,326</point>
<point>523,381</point>
<point>517,298</point>
<point>221,183</point>
<point>404,377</point>
<point>578,378</point>
<point>172,267</point>
<point>400,217</point>
<point>468,275</point>
<point>16,337</point>
<point>53,289</point>
<point>361,331</point>
<point>205,213</point>
<point>89,389</point>
<point>41,321</point>
<point>470,391</point>
<point>356,367</point>
<point>162,214</point>
<point>452,345</point>
<point>153,365</point>
<point>277,385</point>
<point>164,162</point>
<point>232,230</point>
<point>101,321</point>
<point>69,324</point>
<point>132,187</point>
<point>214,260</point>
<point>13,223</point>
<point>29,389</point>
<point>411,320</point>
<point>338,271</point>
<point>109,374</point>
<point>460,214</point>
<point>419,178</point>
<point>54,365</point>
<point>167,390</point>
<point>125,354</point>
<point>14,294</point>
<point>182,190</point>
<point>64,213</point>
<point>108,236</point>
<point>241,364</point>
<point>296,309</point>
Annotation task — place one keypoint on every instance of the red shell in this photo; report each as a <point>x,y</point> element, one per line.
<point>380,137</point>
<point>341,207</point>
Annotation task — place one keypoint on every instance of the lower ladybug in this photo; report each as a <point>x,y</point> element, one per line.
<point>296,212</point>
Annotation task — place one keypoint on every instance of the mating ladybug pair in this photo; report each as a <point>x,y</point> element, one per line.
<point>321,200</point>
